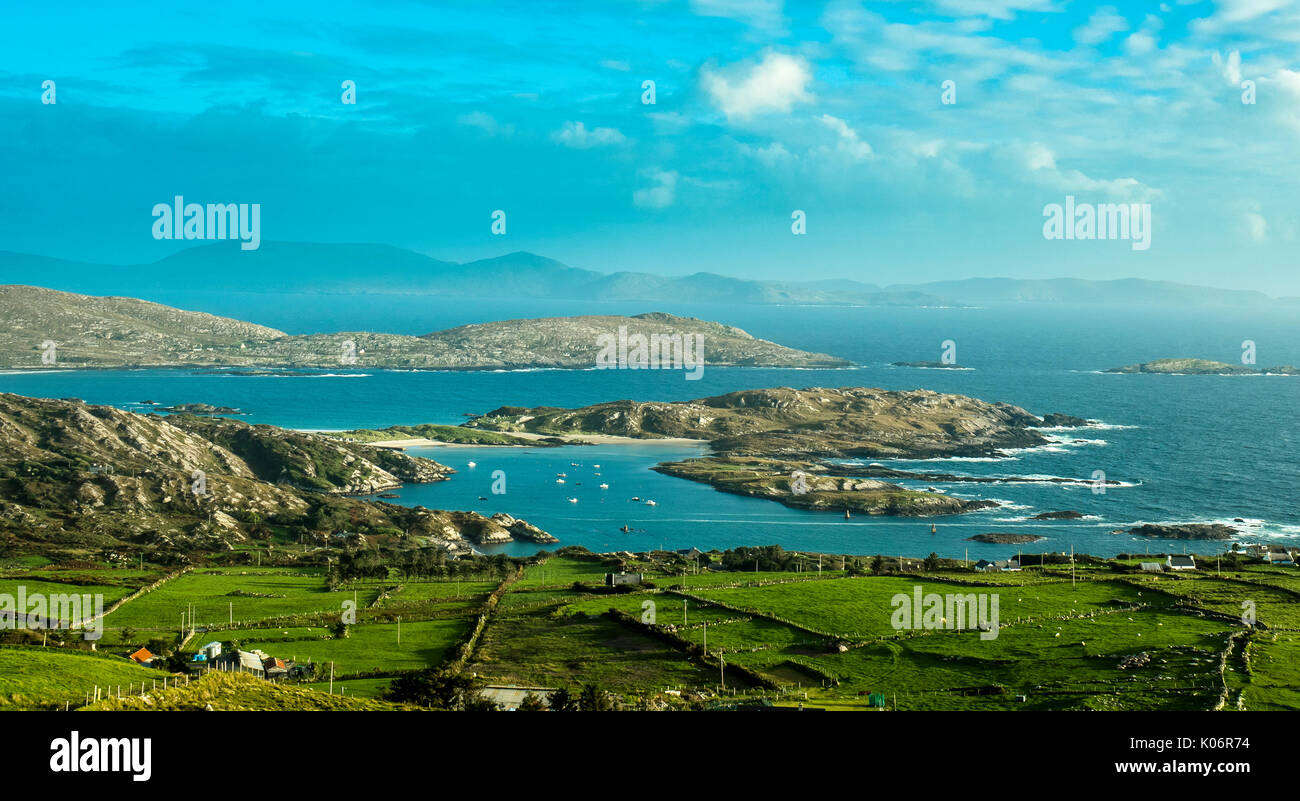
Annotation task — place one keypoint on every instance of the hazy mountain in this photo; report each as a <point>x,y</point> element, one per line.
<point>306,267</point>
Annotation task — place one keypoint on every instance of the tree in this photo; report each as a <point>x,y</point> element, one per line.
<point>532,703</point>
<point>562,700</point>
<point>878,564</point>
<point>128,635</point>
<point>439,689</point>
<point>932,562</point>
<point>594,699</point>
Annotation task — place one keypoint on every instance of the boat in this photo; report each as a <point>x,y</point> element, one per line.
<point>473,464</point>
<point>604,486</point>
<point>562,475</point>
<point>635,498</point>
<point>559,481</point>
<point>573,500</point>
<point>650,503</point>
<point>846,514</point>
<point>933,528</point>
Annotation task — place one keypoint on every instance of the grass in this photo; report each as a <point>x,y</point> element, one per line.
<point>210,592</point>
<point>238,691</point>
<point>425,643</point>
<point>37,678</point>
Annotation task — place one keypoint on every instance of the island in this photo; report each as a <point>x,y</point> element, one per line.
<point>782,444</point>
<point>47,329</point>
<point>1202,367</point>
<point>1005,538</point>
<point>1184,531</point>
<point>930,365</point>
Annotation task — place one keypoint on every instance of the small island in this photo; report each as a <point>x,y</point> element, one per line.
<point>1185,531</point>
<point>1201,367</point>
<point>1005,538</point>
<point>930,365</point>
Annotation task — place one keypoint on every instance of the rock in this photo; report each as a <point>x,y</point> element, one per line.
<point>1185,531</point>
<point>1056,420</point>
<point>1005,538</point>
<point>1067,514</point>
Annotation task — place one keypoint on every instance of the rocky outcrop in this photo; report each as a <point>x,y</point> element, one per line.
<point>1067,514</point>
<point>84,479</point>
<point>783,422</point>
<point>522,529</point>
<point>1185,531</point>
<point>802,485</point>
<point>1202,367</point>
<point>1055,420</point>
<point>1005,538</point>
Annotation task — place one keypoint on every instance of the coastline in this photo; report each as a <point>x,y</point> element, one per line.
<point>568,439</point>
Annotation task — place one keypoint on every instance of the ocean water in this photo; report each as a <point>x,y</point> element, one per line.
<point>1186,448</point>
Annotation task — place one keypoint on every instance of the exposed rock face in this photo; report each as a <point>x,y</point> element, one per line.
<point>522,529</point>
<point>76,478</point>
<point>1185,531</point>
<point>849,421</point>
<point>116,332</point>
<point>1067,514</point>
<point>802,486</point>
<point>1202,367</point>
<point>1005,538</point>
<point>1055,420</point>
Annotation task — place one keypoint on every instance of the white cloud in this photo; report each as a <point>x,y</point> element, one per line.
<point>996,9</point>
<point>1103,24</point>
<point>662,191</point>
<point>763,15</point>
<point>1040,165</point>
<point>775,84</point>
<point>849,143</point>
<point>575,134</point>
<point>486,123</point>
<point>612,64</point>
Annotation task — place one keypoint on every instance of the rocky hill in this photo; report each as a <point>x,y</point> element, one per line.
<point>849,421</point>
<point>123,332</point>
<point>83,480</point>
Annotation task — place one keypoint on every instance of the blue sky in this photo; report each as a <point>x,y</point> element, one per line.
<point>762,107</point>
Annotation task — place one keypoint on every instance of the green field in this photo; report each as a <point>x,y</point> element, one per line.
<point>38,677</point>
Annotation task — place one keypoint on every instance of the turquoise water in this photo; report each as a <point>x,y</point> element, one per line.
<point>1187,448</point>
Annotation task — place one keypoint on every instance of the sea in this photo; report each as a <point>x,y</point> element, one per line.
<point>1182,448</point>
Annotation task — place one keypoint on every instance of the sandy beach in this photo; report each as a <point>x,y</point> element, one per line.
<point>573,439</point>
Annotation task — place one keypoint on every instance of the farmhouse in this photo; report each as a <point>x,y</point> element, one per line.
<point>1000,566</point>
<point>142,656</point>
<point>1278,558</point>
<point>239,662</point>
<point>1180,562</point>
<point>690,553</point>
<point>508,697</point>
<point>617,579</point>
<point>275,668</point>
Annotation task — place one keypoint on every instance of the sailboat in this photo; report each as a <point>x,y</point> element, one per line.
<point>933,528</point>
<point>846,514</point>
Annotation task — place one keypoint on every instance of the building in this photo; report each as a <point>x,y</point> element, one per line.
<point>212,650</point>
<point>1000,566</point>
<point>143,656</point>
<point>1152,567</point>
<point>619,579</point>
<point>508,697</point>
<point>275,668</point>
<point>1180,562</point>
<point>239,662</point>
<point>1278,558</point>
<point>690,553</point>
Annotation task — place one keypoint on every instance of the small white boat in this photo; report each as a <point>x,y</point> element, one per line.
<point>604,486</point>
<point>650,503</point>
<point>559,481</point>
<point>596,466</point>
<point>562,475</point>
<point>573,500</point>
<point>473,464</point>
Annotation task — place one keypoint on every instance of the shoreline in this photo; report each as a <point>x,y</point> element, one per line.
<point>568,440</point>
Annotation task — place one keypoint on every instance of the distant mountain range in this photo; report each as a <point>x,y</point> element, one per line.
<point>305,267</point>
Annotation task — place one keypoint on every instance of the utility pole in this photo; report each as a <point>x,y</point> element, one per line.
<point>1071,565</point>
<point>399,631</point>
<point>706,636</point>
<point>331,678</point>
<point>683,614</point>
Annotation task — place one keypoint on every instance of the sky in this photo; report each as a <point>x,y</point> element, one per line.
<point>761,108</point>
